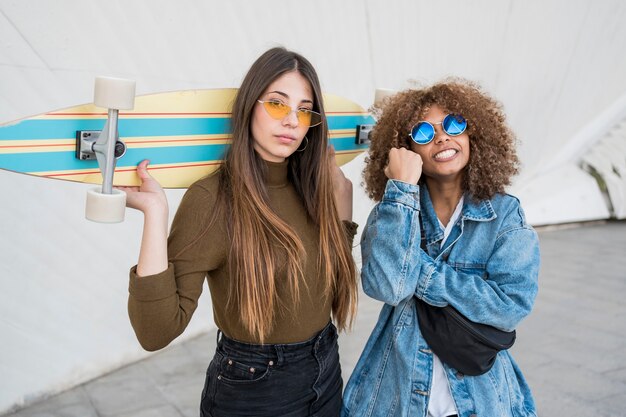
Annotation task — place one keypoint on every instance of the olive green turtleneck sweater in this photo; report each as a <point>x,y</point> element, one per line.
<point>160,306</point>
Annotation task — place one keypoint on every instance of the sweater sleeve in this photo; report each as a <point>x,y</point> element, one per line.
<point>160,306</point>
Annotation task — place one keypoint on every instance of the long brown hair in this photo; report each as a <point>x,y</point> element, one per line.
<point>261,242</point>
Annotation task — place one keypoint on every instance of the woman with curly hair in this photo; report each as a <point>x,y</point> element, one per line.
<point>451,256</point>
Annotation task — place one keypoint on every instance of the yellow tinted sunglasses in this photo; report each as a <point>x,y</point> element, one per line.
<point>279,111</point>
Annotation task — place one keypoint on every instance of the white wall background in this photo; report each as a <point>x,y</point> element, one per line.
<point>557,65</point>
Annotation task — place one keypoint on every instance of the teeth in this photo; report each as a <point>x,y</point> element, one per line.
<point>445,154</point>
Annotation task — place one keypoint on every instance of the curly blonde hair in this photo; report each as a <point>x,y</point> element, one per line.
<point>493,159</point>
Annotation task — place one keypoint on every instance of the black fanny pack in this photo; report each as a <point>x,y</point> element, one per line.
<point>468,347</point>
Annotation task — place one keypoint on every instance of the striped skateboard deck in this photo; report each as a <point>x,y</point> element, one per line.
<point>183,133</point>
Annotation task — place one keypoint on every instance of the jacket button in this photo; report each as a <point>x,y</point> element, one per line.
<point>459,375</point>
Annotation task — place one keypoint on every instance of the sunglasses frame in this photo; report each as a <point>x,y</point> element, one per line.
<point>291,110</point>
<point>433,127</point>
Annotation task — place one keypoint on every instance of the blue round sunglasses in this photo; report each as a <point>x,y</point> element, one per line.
<point>423,132</point>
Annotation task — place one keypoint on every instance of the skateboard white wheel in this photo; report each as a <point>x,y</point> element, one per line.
<point>105,208</point>
<point>114,93</point>
<point>381,94</point>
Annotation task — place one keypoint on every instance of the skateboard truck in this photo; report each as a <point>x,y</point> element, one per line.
<point>364,132</point>
<point>86,145</point>
<point>106,205</point>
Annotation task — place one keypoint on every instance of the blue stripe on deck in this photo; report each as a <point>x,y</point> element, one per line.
<point>66,161</point>
<point>348,122</point>
<point>66,128</point>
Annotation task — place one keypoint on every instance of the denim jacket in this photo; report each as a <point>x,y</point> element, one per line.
<point>487,269</point>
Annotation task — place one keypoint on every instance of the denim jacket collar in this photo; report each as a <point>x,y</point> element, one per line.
<point>479,211</point>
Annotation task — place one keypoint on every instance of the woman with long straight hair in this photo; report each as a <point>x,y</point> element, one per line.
<point>271,231</point>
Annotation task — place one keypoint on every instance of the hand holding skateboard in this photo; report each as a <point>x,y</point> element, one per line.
<point>148,195</point>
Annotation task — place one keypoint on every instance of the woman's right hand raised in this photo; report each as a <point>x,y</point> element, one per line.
<point>149,196</point>
<point>404,165</point>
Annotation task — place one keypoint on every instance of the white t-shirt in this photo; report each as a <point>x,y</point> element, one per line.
<point>441,403</point>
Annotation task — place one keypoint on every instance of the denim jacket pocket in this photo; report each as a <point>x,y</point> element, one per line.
<point>470,268</point>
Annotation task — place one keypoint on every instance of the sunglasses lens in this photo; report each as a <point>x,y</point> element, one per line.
<point>309,118</point>
<point>454,124</point>
<point>304,117</point>
<point>422,133</point>
<point>276,109</point>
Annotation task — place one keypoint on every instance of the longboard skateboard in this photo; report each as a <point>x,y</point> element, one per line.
<point>183,133</point>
